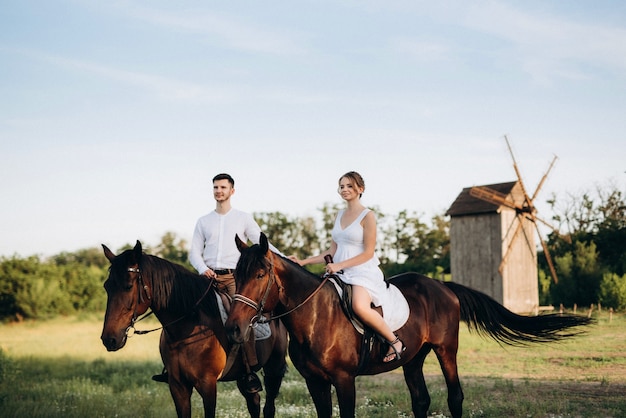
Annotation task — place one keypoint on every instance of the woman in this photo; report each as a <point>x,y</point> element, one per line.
<point>352,249</point>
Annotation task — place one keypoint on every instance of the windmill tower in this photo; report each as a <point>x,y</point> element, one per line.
<point>492,239</point>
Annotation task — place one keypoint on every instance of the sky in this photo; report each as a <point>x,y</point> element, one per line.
<point>115,116</point>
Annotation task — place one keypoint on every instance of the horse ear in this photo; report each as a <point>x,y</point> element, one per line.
<point>240,244</point>
<point>108,253</point>
<point>137,251</point>
<point>263,243</point>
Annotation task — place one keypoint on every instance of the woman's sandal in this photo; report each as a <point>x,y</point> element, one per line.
<point>395,354</point>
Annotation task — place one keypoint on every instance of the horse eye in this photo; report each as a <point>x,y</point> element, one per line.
<point>260,275</point>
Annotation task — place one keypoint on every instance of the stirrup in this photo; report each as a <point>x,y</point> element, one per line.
<point>396,354</point>
<point>161,378</point>
<point>252,383</point>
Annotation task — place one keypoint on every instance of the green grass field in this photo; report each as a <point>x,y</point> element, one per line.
<point>59,368</point>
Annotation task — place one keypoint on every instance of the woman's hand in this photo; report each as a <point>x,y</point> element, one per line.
<point>295,259</point>
<point>332,268</point>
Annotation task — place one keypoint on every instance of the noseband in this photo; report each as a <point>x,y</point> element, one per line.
<point>258,307</point>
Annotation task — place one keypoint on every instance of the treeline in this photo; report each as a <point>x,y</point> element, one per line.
<point>71,283</point>
<point>589,254</point>
<point>61,285</point>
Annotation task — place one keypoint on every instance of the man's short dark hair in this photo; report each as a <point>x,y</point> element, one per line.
<point>224,176</point>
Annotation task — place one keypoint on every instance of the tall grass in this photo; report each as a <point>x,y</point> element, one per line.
<point>59,368</point>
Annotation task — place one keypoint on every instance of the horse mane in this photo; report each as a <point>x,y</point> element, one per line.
<point>295,266</point>
<point>175,287</point>
<point>253,258</point>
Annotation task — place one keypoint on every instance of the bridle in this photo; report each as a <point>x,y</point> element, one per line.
<point>143,288</point>
<point>130,330</point>
<point>259,318</point>
<point>142,285</point>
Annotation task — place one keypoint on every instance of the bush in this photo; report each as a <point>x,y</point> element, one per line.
<point>40,298</point>
<point>33,288</point>
<point>613,291</point>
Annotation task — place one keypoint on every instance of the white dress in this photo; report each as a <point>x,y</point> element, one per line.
<point>349,244</point>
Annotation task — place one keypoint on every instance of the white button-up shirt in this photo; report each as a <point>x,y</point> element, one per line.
<point>213,243</point>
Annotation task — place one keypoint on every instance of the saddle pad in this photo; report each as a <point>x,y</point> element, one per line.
<point>395,309</point>
<point>261,332</point>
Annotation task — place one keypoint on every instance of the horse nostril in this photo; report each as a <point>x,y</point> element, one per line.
<point>234,334</point>
<point>110,343</point>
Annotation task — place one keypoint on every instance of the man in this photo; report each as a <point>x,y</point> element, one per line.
<point>214,254</point>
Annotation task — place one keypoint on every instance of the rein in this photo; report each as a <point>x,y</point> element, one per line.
<point>258,307</point>
<point>140,300</point>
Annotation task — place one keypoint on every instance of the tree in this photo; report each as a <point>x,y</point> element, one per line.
<point>613,291</point>
<point>594,245</point>
<point>579,276</point>
<point>611,230</point>
<point>329,213</point>
<point>173,249</point>
<point>86,257</point>
<point>409,232</point>
<point>289,235</point>
<point>436,245</point>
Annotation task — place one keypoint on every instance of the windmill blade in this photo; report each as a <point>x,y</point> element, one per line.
<point>531,214</point>
<point>546,253</point>
<point>493,196</point>
<point>529,201</point>
<point>567,238</point>
<point>530,244</point>
<point>545,176</point>
<point>536,218</point>
<point>505,256</point>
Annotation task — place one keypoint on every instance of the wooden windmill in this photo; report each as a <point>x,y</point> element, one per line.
<point>492,238</point>
<point>525,210</point>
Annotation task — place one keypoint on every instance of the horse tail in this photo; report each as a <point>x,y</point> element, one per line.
<point>489,318</point>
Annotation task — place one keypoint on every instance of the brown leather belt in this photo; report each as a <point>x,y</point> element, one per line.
<point>221,272</point>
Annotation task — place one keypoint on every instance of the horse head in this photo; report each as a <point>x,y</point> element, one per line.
<point>127,296</point>
<point>257,288</point>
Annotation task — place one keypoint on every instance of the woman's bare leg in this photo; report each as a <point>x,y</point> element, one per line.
<point>361,304</point>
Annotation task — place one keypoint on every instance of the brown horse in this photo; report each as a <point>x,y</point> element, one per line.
<point>194,345</point>
<point>325,347</point>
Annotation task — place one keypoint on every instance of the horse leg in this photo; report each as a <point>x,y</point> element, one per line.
<point>346,395</point>
<point>207,388</point>
<point>447,361</point>
<point>253,400</point>
<point>319,389</point>
<point>181,394</point>
<point>273,371</point>
<point>414,378</point>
